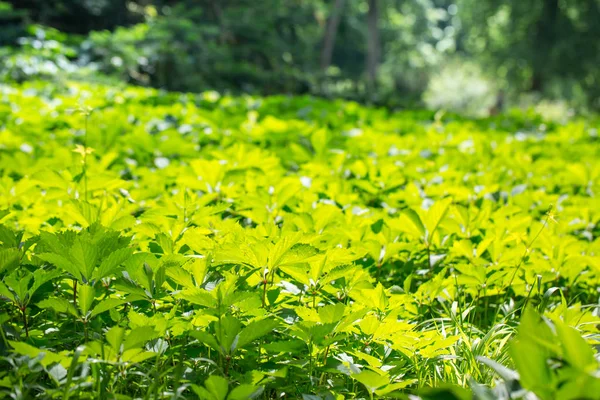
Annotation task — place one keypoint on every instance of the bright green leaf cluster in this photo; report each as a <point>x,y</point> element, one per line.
<point>237,247</point>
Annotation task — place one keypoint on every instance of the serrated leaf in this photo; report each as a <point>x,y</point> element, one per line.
<point>59,305</point>
<point>255,330</point>
<point>8,237</point>
<point>85,254</point>
<point>299,253</point>
<point>199,296</point>
<point>62,263</point>
<point>241,254</point>
<point>111,264</point>
<point>331,313</point>
<point>9,259</point>
<point>180,276</point>
<point>106,305</point>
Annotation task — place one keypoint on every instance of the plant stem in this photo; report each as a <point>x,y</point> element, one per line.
<point>227,362</point>
<point>75,292</point>
<point>528,294</point>
<point>25,322</point>
<point>325,356</point>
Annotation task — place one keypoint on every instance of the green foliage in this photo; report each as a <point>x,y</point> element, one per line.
<point>267,47</point>
<point>532,45</point>
<point>43,53</point>
<point>552,361</point>
<point>468,56</point>
<point>223,247</point>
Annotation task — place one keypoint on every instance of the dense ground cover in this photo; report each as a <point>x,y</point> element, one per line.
<point>160,245</point>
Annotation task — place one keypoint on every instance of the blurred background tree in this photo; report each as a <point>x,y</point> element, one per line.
<point>472,56</point>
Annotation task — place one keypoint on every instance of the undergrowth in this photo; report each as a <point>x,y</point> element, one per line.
<point>161,245</point>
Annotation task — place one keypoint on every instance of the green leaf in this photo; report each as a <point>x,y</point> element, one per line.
<point>299,253</point>
<point>227,329</point>
<point>371,380</point>
<point>85,254</point>
<point>138,337</point>
<point>435,215</point>
<point>47,357</point>
<point>285,346</point>
<point>40,277</point>
<point>505,373</point>
<point>480,392</point>
<point>533,329</point>
<point>242,254</point>
<point>199,296</point>
<point>115,337</point>
<point>59,305</point>
<point>255,330</point>
<point>331,313</point>
<point>5,292</point>
<point>85,298</point>
<point>377,226</point>
<point>62,263</point>
<point>180,276</point>
<point>9,259</point>
<point>112,263</point>
<point>319,140</point>
<point>445,391</point>
<point>4,318</point>
<point>576,351</point>
<point>410,222</point>
<point>206,338</point>
<point>244,392</point>
<point>394,387</point>
<point>217,387</point>
<point>8,237</point>
<point>106,305</point>
<point>531,351</point>
<point>531,362</point>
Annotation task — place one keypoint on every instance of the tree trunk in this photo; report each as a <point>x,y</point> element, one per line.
<point>330,34</point>
<point>372,47</point>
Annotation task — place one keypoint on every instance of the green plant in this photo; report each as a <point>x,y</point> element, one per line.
<point>237,247</point>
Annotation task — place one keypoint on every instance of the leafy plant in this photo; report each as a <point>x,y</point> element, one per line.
<point>226,247</point>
